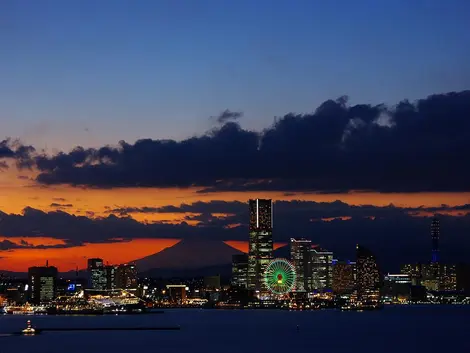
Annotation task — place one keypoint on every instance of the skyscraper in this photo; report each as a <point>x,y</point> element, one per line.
<point>344,277</point>
<point>321,275</point>
<point>42,283</point>
<point>367,277</point>
<point>260,251</point>
<point>239,270</point>
<point>435,232</point>
<point>97,274</point>
<point>126,276</point>
<point>301,259</point>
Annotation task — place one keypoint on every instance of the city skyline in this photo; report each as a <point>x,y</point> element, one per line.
<point>131,131</point>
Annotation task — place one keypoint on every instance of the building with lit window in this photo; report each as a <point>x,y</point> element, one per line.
<point>126,276</point>
<point>239,270</point>
<point>343,277</point>
<point>321,275</point>
<point>96,274</point>
<point>301,260</point>
<point>42,284</point>
<point>396,287</point>
<point>176,293</point>
<point>260,251</point>
<point>414,271</point>
<point>111,271</point>
<point>367,277</point>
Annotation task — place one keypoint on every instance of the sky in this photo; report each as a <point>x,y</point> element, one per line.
<point>222,101</point>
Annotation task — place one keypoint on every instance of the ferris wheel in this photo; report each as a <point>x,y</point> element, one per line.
<point>280,276</point>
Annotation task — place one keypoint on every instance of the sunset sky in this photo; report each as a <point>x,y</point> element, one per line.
<point>129,126</point>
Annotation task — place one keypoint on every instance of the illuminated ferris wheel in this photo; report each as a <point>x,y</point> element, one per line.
<point>280,276</point>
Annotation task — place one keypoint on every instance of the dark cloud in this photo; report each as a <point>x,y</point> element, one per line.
<point>6,245</point>
<point>14,150</point>
<point>421,146</point>
<point>59,199</point>
<point>61,205</point>
<point>227,115</point>
<point>396,234</point>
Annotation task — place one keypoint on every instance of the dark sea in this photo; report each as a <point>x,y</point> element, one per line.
<point>404,329</point>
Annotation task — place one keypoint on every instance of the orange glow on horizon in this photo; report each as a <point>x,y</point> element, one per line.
<point>67,259</point>
<point>242,245</point>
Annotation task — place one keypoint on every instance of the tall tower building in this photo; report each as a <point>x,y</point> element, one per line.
<point>367,276</point>
<point>344,277</point>
<point>42,283</point>
<point>300,258</point>
<point>435,232</point>
<point>260,251</point>
<point>239,270</point>
<point>321,274</point>
<point>97,274</point>
<point>126,276</point>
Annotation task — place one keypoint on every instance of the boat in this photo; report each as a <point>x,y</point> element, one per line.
<point>29,330</point>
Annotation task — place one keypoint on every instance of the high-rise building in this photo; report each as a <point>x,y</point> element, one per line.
<point>447,278</point>
<point>344,277</point>
<point>321,274</point>
<point>260,251</point>
<point>126,276</point>
<point>111,271</point>
<point>239,270</point>
<point>415,271</point>
<point>367,277</point>
<point>435,233</point>
<point>97,274</point>
<point>301,259</point>
<point>42,284</point>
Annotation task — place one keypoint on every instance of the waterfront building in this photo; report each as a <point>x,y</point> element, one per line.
<point>397,287</point>
<point>111,271</point>
<point>176,293</point>
<point>414,271</point>
<point>239,270</point>
<point>343,277</point>
<point>321,275</point>
<point>260,251</point>
<point>301,260</point>
<point>96,274</point>
<point>42,284</point>
<point>367,277</point>
<point>126,276</point>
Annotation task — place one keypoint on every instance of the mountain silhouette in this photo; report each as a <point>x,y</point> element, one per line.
<point>189,254</point>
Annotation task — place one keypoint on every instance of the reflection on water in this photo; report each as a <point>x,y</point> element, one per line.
<point>402,330</point>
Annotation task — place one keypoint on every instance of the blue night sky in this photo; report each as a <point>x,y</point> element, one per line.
<point>95,72</point>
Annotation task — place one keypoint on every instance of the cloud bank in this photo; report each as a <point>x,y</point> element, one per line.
<point>412,147</point>
<point>397,235</point>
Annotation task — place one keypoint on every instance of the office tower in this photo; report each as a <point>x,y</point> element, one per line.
<point>42,284</point>
<point>447,278</point>
<point>111,276</point>
<point>239,270</point>
<point>367,277</point>
<point>300,258</point>
<point>260,251</point>
<point>415,271</point>
<point>435,232</point>
<point>126,276</point>
<point>343,277</point>
<point>96,274</point>
<point>320,277</point>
